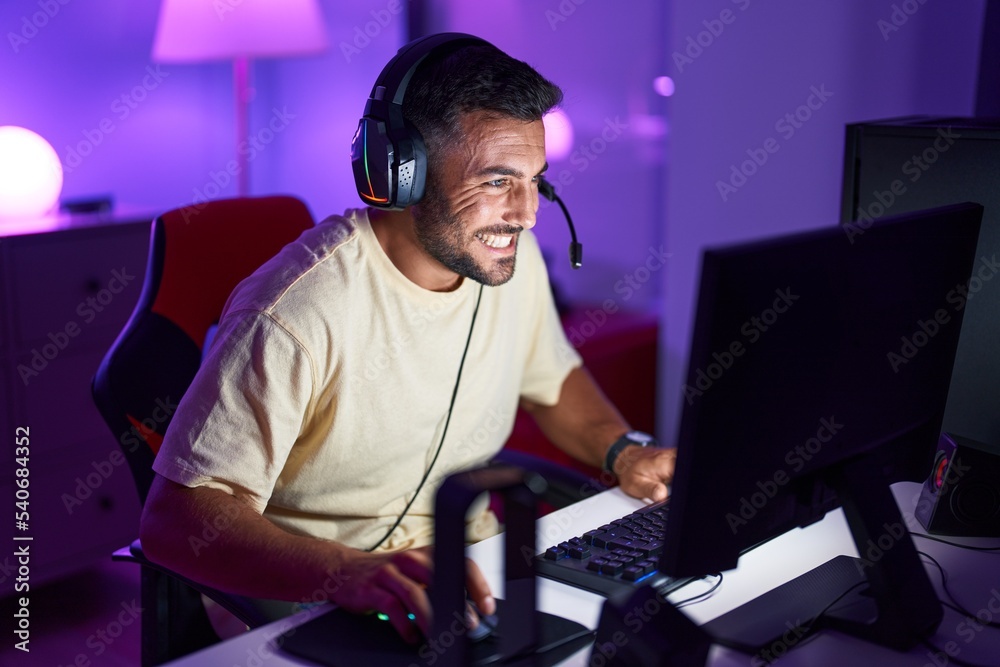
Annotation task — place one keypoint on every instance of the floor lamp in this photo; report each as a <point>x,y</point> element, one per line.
<point>194,31</point>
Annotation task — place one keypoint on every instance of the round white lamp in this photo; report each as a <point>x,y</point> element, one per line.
<point>30,174</point>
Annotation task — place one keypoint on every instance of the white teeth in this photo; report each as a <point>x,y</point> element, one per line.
<point>495,241</point>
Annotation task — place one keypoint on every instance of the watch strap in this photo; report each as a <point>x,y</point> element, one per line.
<point>630,438</point>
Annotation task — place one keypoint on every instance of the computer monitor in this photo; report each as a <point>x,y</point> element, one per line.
<point>818,375</point>
<point>899,165</point>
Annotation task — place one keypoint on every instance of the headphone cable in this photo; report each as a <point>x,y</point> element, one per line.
<point>451,406</point>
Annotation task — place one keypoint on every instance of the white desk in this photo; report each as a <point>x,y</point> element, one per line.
<point>974,578</point>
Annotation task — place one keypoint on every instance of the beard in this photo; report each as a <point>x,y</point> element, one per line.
<point>445,238</point>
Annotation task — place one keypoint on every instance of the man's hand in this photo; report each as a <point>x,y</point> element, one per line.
<point>394,584</point>
<point>644,472</point>
<point>252,556</point>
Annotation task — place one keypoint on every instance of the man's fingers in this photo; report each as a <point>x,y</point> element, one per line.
<point>478,589</point>
<point>409,594</point>
<point>656,492</point>
<point>399,616</point>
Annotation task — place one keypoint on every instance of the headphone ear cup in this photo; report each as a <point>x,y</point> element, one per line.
<point>410,179</point>
<point>371,157</point>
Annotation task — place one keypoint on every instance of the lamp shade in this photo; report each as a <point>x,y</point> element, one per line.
<point>198,31</point>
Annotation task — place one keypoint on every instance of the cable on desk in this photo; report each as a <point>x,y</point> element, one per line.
<point>702,596</point>
<point>957,607</point>
<point>954,604</point>
<point>955,544</point>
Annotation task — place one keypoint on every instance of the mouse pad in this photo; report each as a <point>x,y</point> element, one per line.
<point>342,639</point>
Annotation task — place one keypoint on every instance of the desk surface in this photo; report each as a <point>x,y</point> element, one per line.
<point>973,577</point>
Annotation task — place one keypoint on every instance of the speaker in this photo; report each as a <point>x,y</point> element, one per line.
<point>962,494</point>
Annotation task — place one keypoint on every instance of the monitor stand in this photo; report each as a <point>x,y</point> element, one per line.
<point>884,596</point>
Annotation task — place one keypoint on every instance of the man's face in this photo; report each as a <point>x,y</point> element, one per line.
<point>484,194</point>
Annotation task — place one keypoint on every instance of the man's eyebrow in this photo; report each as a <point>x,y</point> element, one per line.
<point>502,170</point>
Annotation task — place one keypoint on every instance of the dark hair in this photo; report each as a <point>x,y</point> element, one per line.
<point>474,78</point>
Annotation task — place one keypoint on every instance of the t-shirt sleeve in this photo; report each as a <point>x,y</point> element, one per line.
<point>247,405</point>
<point>551,356</point>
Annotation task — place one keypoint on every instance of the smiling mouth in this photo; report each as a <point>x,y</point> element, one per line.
<point>498,241</point>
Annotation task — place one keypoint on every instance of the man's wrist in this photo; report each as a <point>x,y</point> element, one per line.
<point>637,438</point>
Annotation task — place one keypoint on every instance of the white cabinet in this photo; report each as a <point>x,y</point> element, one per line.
<point>65,293</point>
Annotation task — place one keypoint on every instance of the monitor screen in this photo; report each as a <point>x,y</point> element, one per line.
<point>908,164</point>
<point>818,375</point>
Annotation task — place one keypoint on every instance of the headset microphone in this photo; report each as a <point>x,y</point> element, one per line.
<point>548,191</point>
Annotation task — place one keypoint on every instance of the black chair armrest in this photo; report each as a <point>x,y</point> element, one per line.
<point>240,606</point>
<point>565,485</point>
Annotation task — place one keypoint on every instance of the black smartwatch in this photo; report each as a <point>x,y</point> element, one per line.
<point>630,438</point>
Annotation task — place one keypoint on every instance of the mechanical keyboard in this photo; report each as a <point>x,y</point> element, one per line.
<point>618,556</point>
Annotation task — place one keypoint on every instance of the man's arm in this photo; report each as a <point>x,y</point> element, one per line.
<point>584,424</point>
<point>251,556</point>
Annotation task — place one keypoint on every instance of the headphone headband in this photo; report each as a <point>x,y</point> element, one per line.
<point>388,155</point>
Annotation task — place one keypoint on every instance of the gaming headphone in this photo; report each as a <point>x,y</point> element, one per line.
<point>388,155</point>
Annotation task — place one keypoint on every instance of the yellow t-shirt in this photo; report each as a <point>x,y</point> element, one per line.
<point>325,391</point>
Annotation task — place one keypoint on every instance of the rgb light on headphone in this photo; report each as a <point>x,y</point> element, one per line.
<point>364,141</point>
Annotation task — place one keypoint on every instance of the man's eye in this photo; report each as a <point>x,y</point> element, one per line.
<point>497,182</point>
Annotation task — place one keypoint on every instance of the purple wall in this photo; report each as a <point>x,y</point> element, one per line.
<point>875,59</point>
<point>169,140</point>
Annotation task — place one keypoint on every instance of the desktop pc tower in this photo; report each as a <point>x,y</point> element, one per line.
<point>906,164</point>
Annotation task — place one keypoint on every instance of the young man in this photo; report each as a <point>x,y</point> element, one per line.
<point>380,352</point>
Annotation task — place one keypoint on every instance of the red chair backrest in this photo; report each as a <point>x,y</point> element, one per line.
<point>197,256</point>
